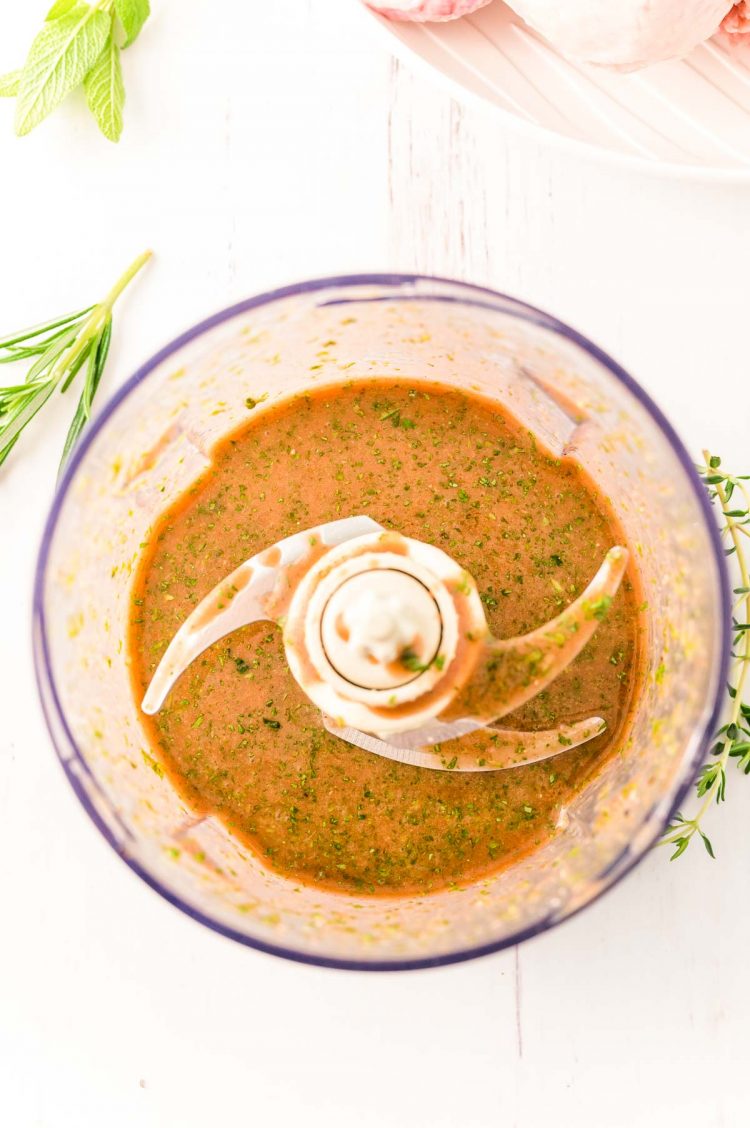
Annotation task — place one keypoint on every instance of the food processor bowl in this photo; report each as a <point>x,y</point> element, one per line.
<point>154,438</point>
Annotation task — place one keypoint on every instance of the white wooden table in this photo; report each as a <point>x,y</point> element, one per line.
<point>266,143</point>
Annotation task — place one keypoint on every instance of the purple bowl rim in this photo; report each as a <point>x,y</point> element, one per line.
<point>529,313</point>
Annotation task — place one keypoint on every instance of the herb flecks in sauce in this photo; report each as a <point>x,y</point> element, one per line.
<point>445,468</point>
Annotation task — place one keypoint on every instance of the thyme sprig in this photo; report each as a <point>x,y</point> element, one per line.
<point>732,497</point>
<point>60,349</point>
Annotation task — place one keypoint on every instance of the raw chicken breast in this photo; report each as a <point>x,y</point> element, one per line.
<point>738,20</point>
<point>623,33</point>
<point>425,10</point>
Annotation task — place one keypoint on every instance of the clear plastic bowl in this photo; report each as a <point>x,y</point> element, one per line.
<point>155,436</point>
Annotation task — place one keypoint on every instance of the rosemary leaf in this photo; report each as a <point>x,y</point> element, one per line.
<point>61,347</point>
<point>39,330</point>
<point>97,358</point>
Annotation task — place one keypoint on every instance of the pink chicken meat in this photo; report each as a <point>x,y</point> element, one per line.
<point>738,20</point>
<point>624,34</point>
<point>426,11</point>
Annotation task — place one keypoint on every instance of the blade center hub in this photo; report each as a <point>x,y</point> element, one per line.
<point>381,629</point>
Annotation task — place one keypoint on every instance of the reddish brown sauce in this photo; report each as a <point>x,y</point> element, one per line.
<point>237,736</point>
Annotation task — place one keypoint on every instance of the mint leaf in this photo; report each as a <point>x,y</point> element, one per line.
<point>60,8</point>
<point>9,84</point>
<point>132,14</point>
<point>105,91</point>
<point>61,56</point>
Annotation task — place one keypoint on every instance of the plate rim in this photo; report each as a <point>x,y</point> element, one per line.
<point>663,169</point>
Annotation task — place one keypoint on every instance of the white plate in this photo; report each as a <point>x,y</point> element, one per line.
<point>691,116</point>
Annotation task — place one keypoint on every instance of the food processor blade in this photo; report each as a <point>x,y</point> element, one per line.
<point>363,670</point>
<point>504,748</point>
<point>248,595</point>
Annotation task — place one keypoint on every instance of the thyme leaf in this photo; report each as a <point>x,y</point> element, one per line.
<point>732,741</point>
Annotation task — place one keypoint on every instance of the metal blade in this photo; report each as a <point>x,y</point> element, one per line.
<point>243,597</point>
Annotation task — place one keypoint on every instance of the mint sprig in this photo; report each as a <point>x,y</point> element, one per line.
<point>79,44</point>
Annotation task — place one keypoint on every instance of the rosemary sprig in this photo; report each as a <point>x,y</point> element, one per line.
<point>60,349</point>
<point>733,738</point>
